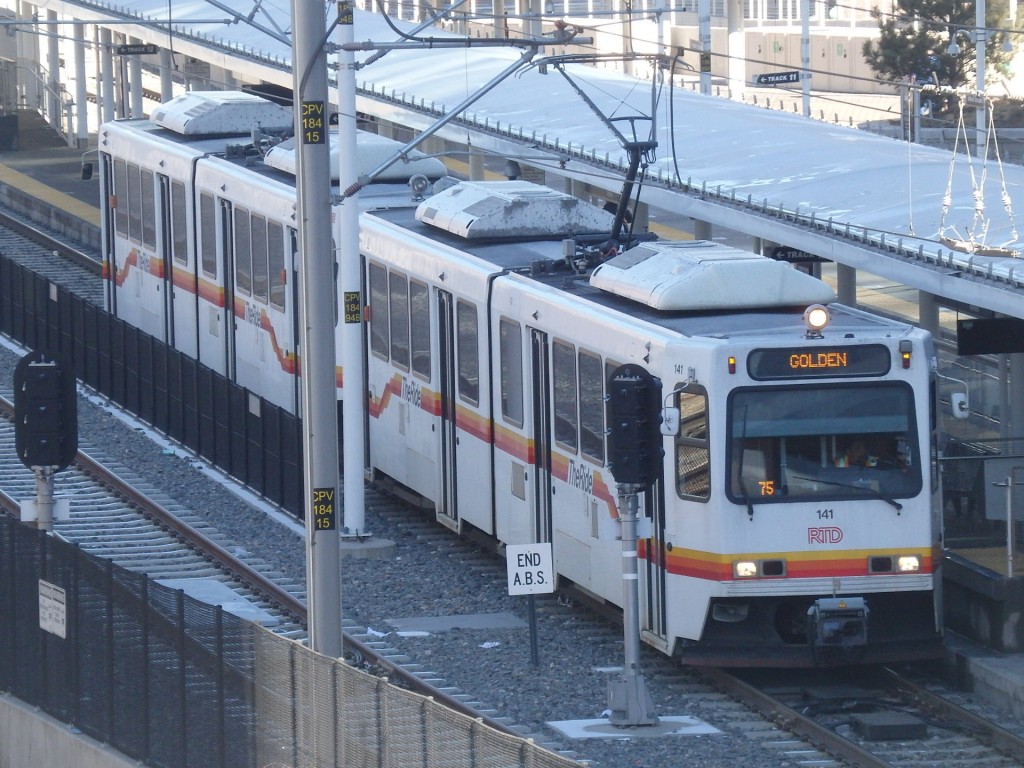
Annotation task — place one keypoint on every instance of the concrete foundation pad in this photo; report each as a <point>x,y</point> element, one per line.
<point>214,592</point>
<point>431,624</point>
<point>368,548</point>
<point>603,729</point>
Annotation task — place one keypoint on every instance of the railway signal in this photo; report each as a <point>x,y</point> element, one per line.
<point>45,412</point>
<point>45,424</point>
<point>634,413</point>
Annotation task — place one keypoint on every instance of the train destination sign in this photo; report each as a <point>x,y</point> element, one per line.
<point>818,362</point>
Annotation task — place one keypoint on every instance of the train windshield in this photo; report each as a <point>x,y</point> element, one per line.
<point>830,441</point>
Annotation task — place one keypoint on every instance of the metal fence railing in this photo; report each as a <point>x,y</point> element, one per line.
<point>176,683</point>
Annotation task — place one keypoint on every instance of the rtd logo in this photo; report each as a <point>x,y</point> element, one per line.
<point>824,535</point>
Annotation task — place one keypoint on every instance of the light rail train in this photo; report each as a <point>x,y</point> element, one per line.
<point>792,520</point>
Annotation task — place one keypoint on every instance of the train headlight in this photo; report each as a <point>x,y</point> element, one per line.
<point>908,564</point>
<point>816,318</point>
<point>744,569</point>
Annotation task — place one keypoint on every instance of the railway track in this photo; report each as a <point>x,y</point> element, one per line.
<point>880,717</point>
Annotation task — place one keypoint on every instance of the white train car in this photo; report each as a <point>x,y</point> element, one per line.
<point>793,517</point>
<point>200,233</point>
<point>760,546</point>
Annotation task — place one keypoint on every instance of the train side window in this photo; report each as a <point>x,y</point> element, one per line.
<point>133,202</point>
<point>260,282</point>
<point>693,468</point>
<point>468,342</point>
<point>121,197</point>
<point>179,234</point>
<point>591,406</point>
<point>148,211</point>
<point>379,332</point>
<point>563,379</point>
<point>399,305</point>
<point>208,234</point>
<point>243,253</point>
<point>419,316</point>
<point>510,350</point>
<point>275,260</point>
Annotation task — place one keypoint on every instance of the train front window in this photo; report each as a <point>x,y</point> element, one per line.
<point>823,442</point>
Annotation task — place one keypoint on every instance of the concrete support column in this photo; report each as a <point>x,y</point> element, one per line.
<point>476,164</point>
<point>166,75</point>
<point>135,79</point>
<point>641,218</point>
<point>736,48</point>
<point>928,312</point>
<point>28,62</point>
<point>1015,416</point>
<point>500,20</point>
<point>846,285</point>
<point>52,102</point>
<point>81,135</point>
<point>106,54</point>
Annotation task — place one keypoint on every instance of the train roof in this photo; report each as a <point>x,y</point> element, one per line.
<point>696,288</point>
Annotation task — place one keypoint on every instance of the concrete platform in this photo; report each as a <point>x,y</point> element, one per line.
<point>994,676</point>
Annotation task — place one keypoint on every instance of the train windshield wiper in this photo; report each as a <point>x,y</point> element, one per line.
<point>870,491</point>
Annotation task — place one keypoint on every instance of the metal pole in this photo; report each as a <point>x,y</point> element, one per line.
<point>354,404</point>
<point>704,35</point>
<point>981,114</point>
<point>44,498</point>
<point>81,135</point>
<point>1009,526</point>
<point>316,312</point>
<point>805,54</point>
<point>628,699</point>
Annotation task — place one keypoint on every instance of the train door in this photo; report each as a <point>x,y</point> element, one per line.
<point>226,249</point>
<point>465,488</point>
<point>541,377</point>
<point>652,567</point>
<point>164,244</point>
<point>213,290</point>
<point>108,210</point>
<point>448,502</point>
<point>181,286</point>
<point>292,279</point>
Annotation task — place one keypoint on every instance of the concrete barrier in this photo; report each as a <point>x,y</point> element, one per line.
<point>29,737</point>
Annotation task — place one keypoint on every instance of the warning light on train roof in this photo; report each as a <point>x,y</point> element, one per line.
<point>816,318</point>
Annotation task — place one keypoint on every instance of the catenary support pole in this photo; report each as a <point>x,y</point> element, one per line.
<point>316,308</point>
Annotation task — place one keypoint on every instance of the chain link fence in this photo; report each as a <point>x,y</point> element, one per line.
<point>173,682</point>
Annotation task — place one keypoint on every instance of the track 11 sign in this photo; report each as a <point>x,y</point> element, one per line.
<point>777,78</point>
<point>529,569</point>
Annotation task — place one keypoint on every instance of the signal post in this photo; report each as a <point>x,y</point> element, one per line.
<point>634,452</point>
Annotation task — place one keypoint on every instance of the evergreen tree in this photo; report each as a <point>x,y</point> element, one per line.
<point>915,37</point>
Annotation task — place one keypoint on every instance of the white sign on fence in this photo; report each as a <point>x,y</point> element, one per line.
<point>53,614</point>
<point>529,569</point>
